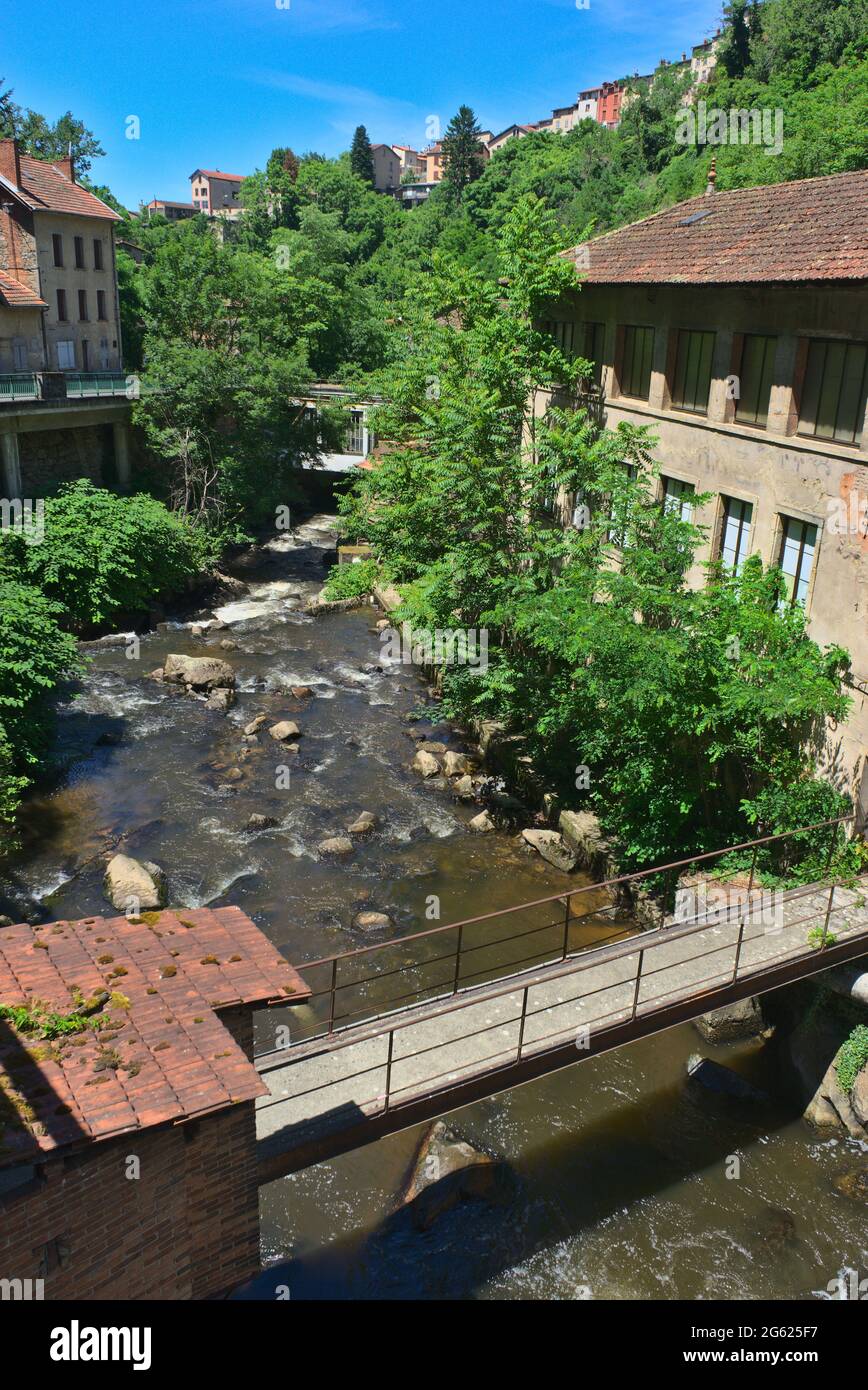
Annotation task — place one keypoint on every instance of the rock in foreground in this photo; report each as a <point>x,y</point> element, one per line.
<point>134,887</point>
<point>447,1170</point>
<point>199,672</point>
<point>552,847</point>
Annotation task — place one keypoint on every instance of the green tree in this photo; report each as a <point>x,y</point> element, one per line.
<point>361,160</point>
<point>462,153</point>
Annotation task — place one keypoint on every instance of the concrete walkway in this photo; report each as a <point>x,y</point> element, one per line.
<point>328,1082</point>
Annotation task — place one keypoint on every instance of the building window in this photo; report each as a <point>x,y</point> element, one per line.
<point>97,254</point>
<point>798,544</point>
<point>61,305</point>
<point>693,371</point>
<point>100,305</point>
<point>617,534</point>
<point>735,537</point>
<point>678,497</point>
<point>82,305</point>
<point>85,354</point>
<point>57,247</point>
<point>78,244</point>
<point>636,362</point>
<point>833,396</point>
<point>755,379</point>
<point>65,355</point>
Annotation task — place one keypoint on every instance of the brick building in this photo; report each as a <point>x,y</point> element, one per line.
<point>735,325</point>
<point>128,1163</point>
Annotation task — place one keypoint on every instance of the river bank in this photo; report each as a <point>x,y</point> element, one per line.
<point>620,1162</point>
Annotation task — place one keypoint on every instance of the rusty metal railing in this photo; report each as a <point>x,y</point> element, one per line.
<point>332,1004</point>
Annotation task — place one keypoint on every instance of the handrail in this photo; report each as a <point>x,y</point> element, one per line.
<point>340,1022</point>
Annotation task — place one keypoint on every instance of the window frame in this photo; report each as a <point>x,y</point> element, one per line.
<point>745,531</point>
<point>57,248</point>
<point>784,521</point>
<point>628,348</point>
<point>83,316</point>
<point>678,397</point>
<point>78,252</point>
<point>759,416</point>
<point>807,424</point>
<point>62,306</point>
<point>686,488</point>
<point>98,258</point>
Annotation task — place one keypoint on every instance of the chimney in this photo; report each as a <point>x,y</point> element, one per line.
<point>10,164</point>
<point>65,166</point>
<point>712,177</point>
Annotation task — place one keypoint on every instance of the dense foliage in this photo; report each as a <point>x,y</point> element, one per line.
<point>678,713</point>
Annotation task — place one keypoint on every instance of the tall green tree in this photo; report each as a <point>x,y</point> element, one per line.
<point>463,160</point>
<point>361,160</point>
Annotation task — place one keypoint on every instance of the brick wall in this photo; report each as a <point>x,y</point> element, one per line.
<point>187,1227</point>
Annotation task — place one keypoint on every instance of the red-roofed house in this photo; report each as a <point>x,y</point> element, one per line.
<point>128,1161</point>
<point>216,193</point>
<point>60,335</point>
<point>735,325</point>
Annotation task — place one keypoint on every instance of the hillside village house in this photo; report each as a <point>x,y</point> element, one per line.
<point>64,409</point>
<point>216,193</point>
<point>172,211</point>
<point>387,168</point>
<point>735,325</point>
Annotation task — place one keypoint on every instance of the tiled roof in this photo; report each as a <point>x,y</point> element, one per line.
<point>160,1053</point>
<point>217,174</point>
<point>44,188</point>
<point>18,296</point>
<point>169,203</point>
<point>811,229</point>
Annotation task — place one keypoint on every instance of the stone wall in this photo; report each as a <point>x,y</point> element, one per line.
<point>51,457</point>
<point>186,1228</point>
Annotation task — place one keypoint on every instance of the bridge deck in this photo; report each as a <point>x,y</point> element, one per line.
<point>331,1093</point>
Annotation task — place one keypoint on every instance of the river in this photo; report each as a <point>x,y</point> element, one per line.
<point>623,1168</point>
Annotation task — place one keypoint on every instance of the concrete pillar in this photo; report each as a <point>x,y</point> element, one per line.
<point>121,434</point>
<point>783,411</point>
<point>12,484</point>
<point>718,398</point>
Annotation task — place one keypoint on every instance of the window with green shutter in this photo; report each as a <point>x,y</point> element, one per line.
<point>636,362</point>
<point>755,378</point>
<point>833,394</point>
<point>692,381</point>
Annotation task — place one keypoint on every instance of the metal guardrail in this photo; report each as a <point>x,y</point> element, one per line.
<point>461,959</point>
<point>80,384</point>
<point>19,386</point>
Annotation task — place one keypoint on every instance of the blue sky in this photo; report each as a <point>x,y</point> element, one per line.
<point>218,83</point>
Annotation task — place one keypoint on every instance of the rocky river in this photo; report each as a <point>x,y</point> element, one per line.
<point>621,1170</point>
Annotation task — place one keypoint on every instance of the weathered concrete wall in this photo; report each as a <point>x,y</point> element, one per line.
<point>57,456</point>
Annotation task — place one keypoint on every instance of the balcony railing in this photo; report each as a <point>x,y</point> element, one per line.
<point>19,386</point>
<point>62,386</point>
<point>80,384</point>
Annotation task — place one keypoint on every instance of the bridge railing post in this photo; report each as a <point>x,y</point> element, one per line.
<point>521,1024</point>
<point>333,995</point>
<point>389,1070</point>
<point>828,915</point>
<point>638,983</point>
<point>738,945</point>
<point>566,926</point>
<point>457,974</point>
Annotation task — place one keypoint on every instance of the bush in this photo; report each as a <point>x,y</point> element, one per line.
<point>35,656</point>
<point>103,553</point>
<point>351,581</point>
<point>852,1057</point>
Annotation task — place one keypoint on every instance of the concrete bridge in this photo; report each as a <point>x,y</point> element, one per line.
<point>410,1029</point>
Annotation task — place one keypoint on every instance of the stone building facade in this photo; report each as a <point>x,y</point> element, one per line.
<point>735,326</point>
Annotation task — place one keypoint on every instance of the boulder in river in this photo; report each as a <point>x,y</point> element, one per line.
<point>221,700</point>
<point>337,847</point>
<point>481,823</point>
<point>286,729</point>
<point>462,787</point>
<point>301,692</point>
<point>258,822</point>
<point>255,725</point>
<point>372,921</point>
<point>425,764</point>
<point>456,764</point>
<point>132,886</point>
<point>447,1170</point>
<point>853,1183</point>
<point>199,672</point>
<point>553,848</point>
<point>364,824</point>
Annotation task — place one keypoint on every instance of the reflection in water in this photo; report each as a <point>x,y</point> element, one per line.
<point>621,1164</point>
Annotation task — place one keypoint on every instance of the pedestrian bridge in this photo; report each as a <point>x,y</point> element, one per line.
<point>410,1029</point>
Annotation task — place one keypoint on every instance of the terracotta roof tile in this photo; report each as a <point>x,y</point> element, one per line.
<point>45,188</point>
<point>19,296</point>
<point>811,229</point>
<point>160,1053</point>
